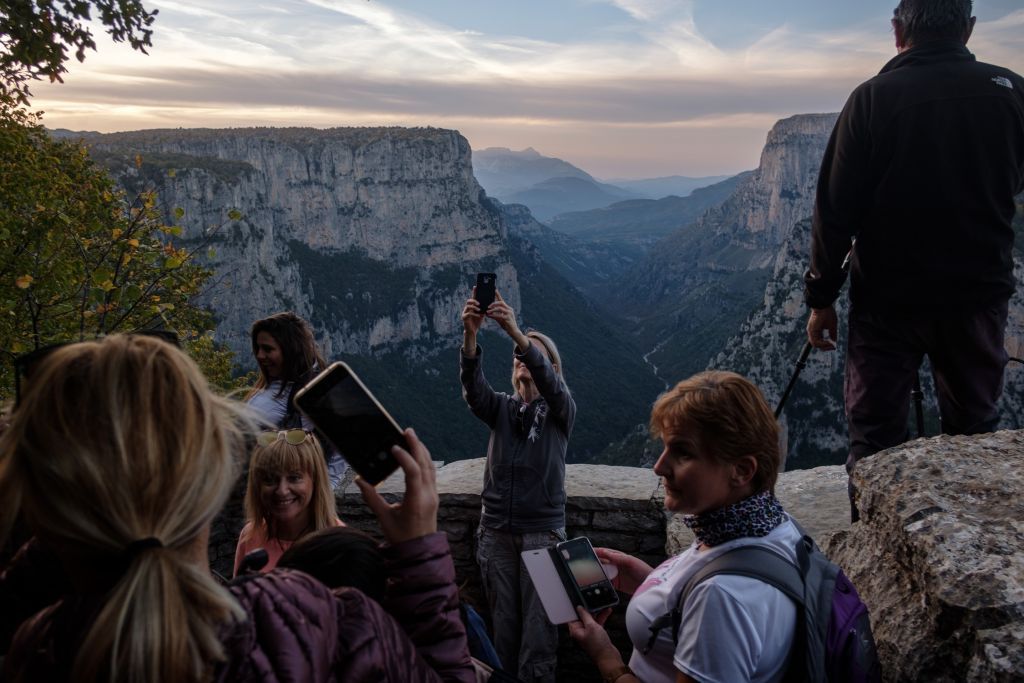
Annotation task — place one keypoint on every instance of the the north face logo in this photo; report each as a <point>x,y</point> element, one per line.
<point>1003,81</point>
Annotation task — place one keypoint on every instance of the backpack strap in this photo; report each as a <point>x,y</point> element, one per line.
<point>756,562</point>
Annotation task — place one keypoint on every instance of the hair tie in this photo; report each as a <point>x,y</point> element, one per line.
<point>136,548</point>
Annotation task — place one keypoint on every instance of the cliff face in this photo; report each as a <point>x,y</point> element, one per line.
<point>781,191</point>
<point>374,235</point>
<point>398,206</point>
<point>696,287</point>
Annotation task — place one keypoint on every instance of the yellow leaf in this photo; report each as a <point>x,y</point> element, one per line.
<point>23,282</point>
<point>134,242</point>
<point>116,232</point>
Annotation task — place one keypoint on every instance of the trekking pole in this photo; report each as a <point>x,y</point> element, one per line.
<point>802,361</point>
<point>800,364</point>
<point>917,396</point>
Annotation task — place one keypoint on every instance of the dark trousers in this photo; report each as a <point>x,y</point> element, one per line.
<point>527,643</point>
<point>884,353</point>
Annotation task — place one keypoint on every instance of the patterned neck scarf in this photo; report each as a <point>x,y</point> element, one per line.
<point>755,516</point>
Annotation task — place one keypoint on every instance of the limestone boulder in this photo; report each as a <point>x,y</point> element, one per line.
<point>938,557</point>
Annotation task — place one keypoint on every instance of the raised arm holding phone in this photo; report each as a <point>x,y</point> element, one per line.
<point>524,481</point>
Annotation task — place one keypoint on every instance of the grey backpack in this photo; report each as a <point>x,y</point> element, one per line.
<point>833,640</point>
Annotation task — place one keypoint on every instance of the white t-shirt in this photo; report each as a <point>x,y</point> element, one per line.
<point>733,629</point>
<point>271,404</point>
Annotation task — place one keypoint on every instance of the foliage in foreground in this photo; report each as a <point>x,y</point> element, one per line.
<point>80,259</point>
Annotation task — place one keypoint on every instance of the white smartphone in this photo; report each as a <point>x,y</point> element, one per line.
<point>547,581</point>
<point>570,574</point>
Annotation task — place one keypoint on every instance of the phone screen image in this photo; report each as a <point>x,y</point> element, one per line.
<point>595,589</point>
<point>485,284</point>
<point>351,418</point>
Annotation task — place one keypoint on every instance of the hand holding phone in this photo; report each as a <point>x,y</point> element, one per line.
<point>416,515</point>
<point>352,419</point>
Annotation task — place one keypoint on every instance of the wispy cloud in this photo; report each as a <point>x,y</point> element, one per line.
<point>339,62</point>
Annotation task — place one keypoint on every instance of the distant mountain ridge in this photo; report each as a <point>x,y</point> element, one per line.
<point>550,186</point>
<point>666,186</point>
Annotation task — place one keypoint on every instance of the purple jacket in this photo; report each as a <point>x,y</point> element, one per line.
<point>299,631</point>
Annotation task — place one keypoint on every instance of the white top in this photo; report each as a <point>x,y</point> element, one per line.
<point>272,408</point>
<point>733,629</point>
<point>271,404</point>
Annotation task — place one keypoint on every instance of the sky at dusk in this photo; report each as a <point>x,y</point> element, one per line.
<point>621,88</point>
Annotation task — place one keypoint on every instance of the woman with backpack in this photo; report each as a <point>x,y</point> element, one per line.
<point>718,467</point>
<point>288,358</point>
<point>121,456</point>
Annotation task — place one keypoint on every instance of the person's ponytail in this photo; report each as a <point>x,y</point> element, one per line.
<point>123,456</point>
<point>158,624</point>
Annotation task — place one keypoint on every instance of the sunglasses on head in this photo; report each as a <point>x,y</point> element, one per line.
<point>27,363</point>
<point>292,436</point>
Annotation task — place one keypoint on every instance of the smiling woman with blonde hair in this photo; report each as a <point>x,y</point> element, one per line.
<point>288,495</point>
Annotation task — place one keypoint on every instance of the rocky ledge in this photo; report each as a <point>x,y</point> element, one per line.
<point>939,557</point>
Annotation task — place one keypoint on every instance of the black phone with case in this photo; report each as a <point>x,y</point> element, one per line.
<point>352,419</point>
<point>485,288</point>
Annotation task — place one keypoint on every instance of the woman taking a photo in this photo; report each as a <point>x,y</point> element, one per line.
<point>288,358</point>
<point>524,483</point>
<point>718,467</point>
<point>288,495</point>
<point>120,456</point>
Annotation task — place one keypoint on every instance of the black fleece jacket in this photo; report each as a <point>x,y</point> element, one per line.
<point>922,169</point>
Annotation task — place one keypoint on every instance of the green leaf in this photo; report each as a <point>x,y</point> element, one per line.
<point>172,263</point>
<point>179,212</point>
<point>101,275</point>
<point>235,215</point>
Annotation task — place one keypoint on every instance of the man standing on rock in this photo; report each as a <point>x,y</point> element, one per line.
<point>921,171</point>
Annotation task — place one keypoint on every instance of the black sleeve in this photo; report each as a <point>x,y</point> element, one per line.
<point>840,200</point>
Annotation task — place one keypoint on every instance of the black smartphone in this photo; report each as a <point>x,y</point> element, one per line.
<point>485,290</point>
<point>349,415</point>
<point>580,561</point>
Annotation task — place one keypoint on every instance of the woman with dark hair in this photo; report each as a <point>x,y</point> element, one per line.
<point>718,468</point>
<point>120,457</point>
<point>288,359</point>
<point>524,483</point>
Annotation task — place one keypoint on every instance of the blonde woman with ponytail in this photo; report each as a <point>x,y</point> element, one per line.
<point>119,457</point>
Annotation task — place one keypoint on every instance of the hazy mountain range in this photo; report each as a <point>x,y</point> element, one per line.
<point>549,186</point>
